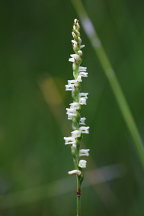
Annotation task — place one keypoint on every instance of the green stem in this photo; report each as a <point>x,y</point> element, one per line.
<point>111,76</point>
<point>78,208</point>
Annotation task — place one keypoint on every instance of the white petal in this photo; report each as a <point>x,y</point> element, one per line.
<point>69,140</point>
<point>82,100</point>
<point>71,60</point>
<point>74,42</point>
<point>76,172</point>
<point>73,34</point>
<point>84,129</point>
<point>72,82</point>
<point>82,163</point>
<point>75,105</point>
<point>84,74</point>
<point>75,56</point>
<point>82,46</point>
<point>69,87</point>
<point>71,110</point>
<point>76,133</point>
<point>83,94</point>
<point>84,152</point>
<point>82,68</point>
<point>82,121</point>
<point>80,52</point>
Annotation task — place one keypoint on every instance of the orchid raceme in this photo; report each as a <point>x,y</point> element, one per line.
<point>74,111</point>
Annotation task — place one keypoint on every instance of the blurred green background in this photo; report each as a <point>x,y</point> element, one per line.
<point>35,46</point>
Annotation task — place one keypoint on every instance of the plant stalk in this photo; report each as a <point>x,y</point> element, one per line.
<point>78,208</point>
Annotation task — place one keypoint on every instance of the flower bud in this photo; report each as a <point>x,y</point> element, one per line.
<point>82,164</point>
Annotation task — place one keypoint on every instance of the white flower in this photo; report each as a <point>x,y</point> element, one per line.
<point>84,129</point>
<point>76,133</point>
<point>71,60</point>
<point>69,140</point>
<point>75,56</point>
<point>81,74</point>
<point>76,23</point>
<point>70,116</point>
<point>74,35</point>
<point>82,46</point>
<point>84,152</point>
<point>84,74</point>
<point>82,163</point>
<point>73,82</point>
<point>82,69</point>
<point>75,105</point>
<point>74,42</point>
<point>82,101</point>
<point>70,87</point>
<point>82,98</point>
<point>82,121</point>
<point>76,172</point>
<point>71,112</point>
<point>83,94</point>
<point>75,46</point>
<point>80,52</point>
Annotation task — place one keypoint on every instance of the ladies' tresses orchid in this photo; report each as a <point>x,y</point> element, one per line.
<point>74,111</point>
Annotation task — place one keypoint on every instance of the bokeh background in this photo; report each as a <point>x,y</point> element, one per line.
<point>35,46</point>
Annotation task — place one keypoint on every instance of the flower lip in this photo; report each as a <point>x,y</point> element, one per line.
<point>72,82</point>
<point>74,172</point>
<point>82,46</point>
<point>84,129</point>
<point>84,152</point>
<point>82,68</point>
<point>70,87</point>
<point>84,74</point>
<point>71,60</point>
<point>83,94</point>
<point>76,56</point>
<point>69,140</point>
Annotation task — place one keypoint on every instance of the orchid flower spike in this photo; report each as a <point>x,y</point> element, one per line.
<point>74,111</point>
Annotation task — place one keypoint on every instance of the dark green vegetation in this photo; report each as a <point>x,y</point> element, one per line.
<point>35,47</point>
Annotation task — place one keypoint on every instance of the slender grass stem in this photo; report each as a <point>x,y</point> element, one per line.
<point>78,208</point>
<point>111,76</point>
